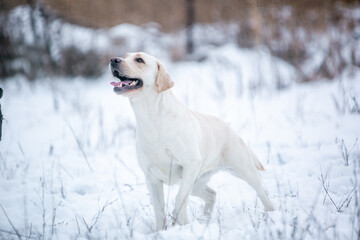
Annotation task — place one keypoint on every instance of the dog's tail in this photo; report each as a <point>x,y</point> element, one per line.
<point>257,162</point>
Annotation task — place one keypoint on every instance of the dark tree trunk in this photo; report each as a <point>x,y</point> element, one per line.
<point>1,116</point>
<point>190,18</point>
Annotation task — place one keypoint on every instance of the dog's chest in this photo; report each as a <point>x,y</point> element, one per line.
<point>162,164</point>
<point>156,156</point>
<point>157,136</point>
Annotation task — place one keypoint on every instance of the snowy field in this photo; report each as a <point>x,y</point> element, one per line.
<point>68,167</point>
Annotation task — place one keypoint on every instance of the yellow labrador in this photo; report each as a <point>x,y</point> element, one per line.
<point>175,144</point>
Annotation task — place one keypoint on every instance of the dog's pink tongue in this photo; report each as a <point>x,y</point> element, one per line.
<point>127,82</point>
<point>115,84</point>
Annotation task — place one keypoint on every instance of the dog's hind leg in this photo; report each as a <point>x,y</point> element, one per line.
<point>241,162</point>
<point>254,181</point>
<point>203,191</point>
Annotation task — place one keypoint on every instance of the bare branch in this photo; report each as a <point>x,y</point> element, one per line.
<point>12,225</point>
<point>80,147</point>
<point>17,234</point>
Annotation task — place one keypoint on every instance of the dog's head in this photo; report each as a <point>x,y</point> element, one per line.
<point>139,72</point>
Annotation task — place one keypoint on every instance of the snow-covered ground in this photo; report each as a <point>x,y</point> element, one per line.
<point>68,167</point>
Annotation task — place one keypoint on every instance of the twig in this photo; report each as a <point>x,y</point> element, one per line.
<point>309,218</point>
<point>77,224</point>
<point>347,199</point>
<point>30,231</point>
<point>98,215</point>
<point>126,166</point>
<point>43,201</point>
<point>220,230</point>
<point>356,217</point>
<point>345,153</point>
<point>53,222</point>
<point>17,234</point>
<point>80,147</point>
<point>12,225</point>
<point>356,107</point>
<point>66,171</point>
<point>121,200</point>
<point>326,189</point>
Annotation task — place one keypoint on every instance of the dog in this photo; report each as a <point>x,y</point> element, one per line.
<point>177,145</point>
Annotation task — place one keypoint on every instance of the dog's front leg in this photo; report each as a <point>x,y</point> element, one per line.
<point>189,176</point>
<point>156,191</point>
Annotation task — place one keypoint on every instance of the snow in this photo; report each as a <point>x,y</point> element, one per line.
<point>68,167</point>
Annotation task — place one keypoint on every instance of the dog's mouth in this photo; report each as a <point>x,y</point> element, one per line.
<point>126,83</point>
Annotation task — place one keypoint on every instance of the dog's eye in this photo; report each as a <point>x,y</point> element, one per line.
<point>139,60</point>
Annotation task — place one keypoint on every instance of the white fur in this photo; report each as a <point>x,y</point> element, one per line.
<point>177,145</point>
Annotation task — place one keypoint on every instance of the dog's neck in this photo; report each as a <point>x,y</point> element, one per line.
<point>148,108</point>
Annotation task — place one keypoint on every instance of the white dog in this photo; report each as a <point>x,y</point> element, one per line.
<point>175,144</point>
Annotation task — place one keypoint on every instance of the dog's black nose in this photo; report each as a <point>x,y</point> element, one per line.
<point>115,61</point>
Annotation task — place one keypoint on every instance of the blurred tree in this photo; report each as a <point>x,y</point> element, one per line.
<point>44,53</point>
<point>286,27</point>
<point>256,18</point>
<point>190,18</point>
<point>1,116</point>
<point>7,54</point>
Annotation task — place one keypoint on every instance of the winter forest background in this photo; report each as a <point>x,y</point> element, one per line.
<point>284,74</point>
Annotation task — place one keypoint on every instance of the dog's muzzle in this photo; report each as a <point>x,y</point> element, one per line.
<point>126,83</point>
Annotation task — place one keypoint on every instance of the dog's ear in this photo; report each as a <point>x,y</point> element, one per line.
<point>163,80</point>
